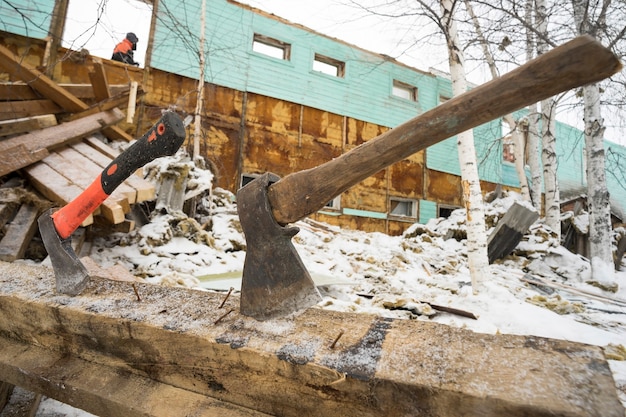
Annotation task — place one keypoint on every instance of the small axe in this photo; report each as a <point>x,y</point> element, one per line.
<point>275,281</point>
<point>56,226</point>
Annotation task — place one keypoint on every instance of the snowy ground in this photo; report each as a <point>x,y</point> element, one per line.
<point>389,276</point>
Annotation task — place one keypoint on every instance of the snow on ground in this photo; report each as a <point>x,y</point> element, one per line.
<point>392,276</point>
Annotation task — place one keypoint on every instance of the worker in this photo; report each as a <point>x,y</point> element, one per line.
<point>123,51</point>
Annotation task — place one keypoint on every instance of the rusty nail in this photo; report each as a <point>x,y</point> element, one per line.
<point>332,346</point>
<point>226,298</point>
<point>224,315</point>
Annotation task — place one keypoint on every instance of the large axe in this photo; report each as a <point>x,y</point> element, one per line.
<point>275,281</point>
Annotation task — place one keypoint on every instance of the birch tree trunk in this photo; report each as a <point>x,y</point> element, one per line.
<point>197,134</point>
<point>473,199</point>
<point>532,130</point>
<point>600,247</point>
<point>548,138</point>
<point>518,142</point>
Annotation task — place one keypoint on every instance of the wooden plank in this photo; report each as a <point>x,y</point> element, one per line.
<point>21,91</point>
<point>54,186</point>
<point>73,381</point>
<point>99,81</point>
<point>54,136</point>
<point>20,157</point>
<point>112,208</point>
<point>108,104</point>
<point>38,81</point>
<point>7,211</point>
<point>19,233</point>
<point>10,110</point>
<point>6,390</point>
<point>93,170</point>
<point>291,367</point>
<point>49,89</point>
<point>510,230</point>
<point>145,190</point>
<point>26,124</point>
<point>17,91</point>
<point>102,147</point>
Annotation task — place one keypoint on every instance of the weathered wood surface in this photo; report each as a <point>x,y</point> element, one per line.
<point>55,187</point>
<point>27,108</point>
<point>111,349</point>
<point>51,138</point>
<point>19,233</point>
<point>21,91</point>
<point>510,230</point>
<point>39,82</point>
<point>26,124</point>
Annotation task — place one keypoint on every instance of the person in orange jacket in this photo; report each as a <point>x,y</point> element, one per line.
<point>123,51</point>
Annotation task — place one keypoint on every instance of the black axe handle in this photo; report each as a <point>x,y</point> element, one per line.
<point>164,138</point>
<point>578,62</point>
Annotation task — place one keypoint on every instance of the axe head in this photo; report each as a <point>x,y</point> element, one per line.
<point>275,282</point>
<point>71,275</point>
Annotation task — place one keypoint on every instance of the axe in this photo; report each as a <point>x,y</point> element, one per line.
<point>57,226</point>
<point>275,281</point>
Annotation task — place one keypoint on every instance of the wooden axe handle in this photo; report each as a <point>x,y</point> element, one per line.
<point>580,61</point>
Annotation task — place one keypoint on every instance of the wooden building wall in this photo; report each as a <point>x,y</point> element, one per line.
<point>267,114</point>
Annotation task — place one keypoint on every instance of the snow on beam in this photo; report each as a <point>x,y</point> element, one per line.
<point>316,363</point>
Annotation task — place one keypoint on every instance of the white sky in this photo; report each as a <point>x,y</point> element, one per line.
<point>114,20</point>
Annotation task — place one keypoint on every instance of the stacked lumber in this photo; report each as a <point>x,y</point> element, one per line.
<point>49,136</point>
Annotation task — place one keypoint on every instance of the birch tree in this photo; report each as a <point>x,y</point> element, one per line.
<point>516,134</point>
<point>472,195</point>
<point>598,204</point>
<point>548,135</point>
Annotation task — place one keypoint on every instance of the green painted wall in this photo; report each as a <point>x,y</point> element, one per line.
<point>26,17</point>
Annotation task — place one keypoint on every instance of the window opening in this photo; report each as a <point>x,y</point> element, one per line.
<point>403,90</point>
<point>403,207</point>
<point>445,211</point>
<point>271,47</point>
<point>329,66</point>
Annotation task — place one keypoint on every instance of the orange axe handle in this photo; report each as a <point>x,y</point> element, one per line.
<point>576,63</point>
<point>164,138</point>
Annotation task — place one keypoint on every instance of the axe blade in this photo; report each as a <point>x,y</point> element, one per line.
<point>275,282</point>
<point>70,274</point>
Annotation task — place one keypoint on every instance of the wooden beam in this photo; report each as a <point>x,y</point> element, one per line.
<point>93,170</point>
<point>6,390</point>
<point>73,381</point>
<point>19,157</point>
<point>112,208</point>
<point>55,136</point>
<point>292,367</point>
<point>19,69</point>
<point>19,233</point>
<point>10,110</point>
<point>145,190</point>
<point>26,124</point>
<point>106,104</point>
<point>24,150</point>
<point>99,81</point>
<point>44,85</point>
<point>21,91</point>
<point>54,186</point>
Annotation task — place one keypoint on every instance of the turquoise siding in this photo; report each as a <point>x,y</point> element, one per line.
<point>363,93</point>
<point>26,17</point>
<point>427,210</point>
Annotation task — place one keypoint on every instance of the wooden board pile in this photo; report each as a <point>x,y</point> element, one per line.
<point>48,138</point>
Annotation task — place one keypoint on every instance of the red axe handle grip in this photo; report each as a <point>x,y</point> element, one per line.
<point>573,64</point>
<point>163,139</point>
